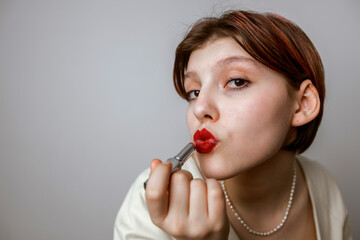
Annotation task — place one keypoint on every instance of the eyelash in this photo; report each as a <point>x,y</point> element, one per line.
<point>244,83</point>
<point>188,95</point>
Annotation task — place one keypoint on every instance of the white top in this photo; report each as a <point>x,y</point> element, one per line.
<point>330,214</point>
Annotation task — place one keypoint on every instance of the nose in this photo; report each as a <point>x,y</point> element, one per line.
<point>205,107</point>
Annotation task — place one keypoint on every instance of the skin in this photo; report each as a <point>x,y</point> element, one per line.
<point>252,114</point>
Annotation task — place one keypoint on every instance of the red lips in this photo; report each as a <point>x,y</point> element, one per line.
<point>205,141</point>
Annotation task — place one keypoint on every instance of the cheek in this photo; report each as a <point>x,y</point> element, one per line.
<point>270,117</point>
<point>244,114</point>
<point>262,121</point>
<point>272,105</point>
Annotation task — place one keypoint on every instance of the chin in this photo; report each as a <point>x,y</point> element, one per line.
<point>212,168</point>
<point>215,175</point>
<point>222,167</point>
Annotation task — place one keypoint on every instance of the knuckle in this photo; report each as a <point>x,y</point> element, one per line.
<point>199,232</point>
<point>197,183</point>
<point>216,194</point>
<point>190,176</point>
<point>152,194</point>
<point>178,230</point>
<point>186,173</point>
<point>215,191</point>
<point>218,226</point>
<point>179,176</point>
<point>156,221</point>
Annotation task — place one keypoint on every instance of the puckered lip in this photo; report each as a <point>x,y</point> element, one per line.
<point>205,141</point>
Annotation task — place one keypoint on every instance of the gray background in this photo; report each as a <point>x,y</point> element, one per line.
<point>85,84</point>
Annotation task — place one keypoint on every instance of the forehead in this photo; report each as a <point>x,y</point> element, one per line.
<point>217,54</point>
<point>224,53</point>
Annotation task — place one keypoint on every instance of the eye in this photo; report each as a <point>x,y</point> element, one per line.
<point>192,94</point>
<point>237,83</point>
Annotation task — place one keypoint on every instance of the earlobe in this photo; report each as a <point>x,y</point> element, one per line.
<point>307,104</point>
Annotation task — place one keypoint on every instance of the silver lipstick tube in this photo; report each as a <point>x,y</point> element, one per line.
<point>179,159</point>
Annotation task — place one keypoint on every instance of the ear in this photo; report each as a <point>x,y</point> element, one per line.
<point>307,104</point>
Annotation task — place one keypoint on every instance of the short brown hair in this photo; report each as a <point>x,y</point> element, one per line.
<point>272,40</point>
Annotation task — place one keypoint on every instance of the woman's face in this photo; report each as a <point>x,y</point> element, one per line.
<point>244,104</point>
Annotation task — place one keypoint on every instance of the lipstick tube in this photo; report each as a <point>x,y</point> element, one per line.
<point>179,159</point>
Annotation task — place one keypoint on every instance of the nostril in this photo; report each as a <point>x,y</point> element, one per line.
<point>208,116</point>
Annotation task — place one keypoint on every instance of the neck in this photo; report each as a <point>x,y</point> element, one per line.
<point>265,186</point>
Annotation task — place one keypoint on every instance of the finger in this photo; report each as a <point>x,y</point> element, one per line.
<point>179,194</point>
<point>157,194</point>
<point>216,201</point>
<point>154,163</point>
<point>198,209</point>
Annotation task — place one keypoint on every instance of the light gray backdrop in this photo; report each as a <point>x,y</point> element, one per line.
<point>86,101</point>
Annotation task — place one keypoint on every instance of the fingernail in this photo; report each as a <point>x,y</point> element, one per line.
<point>167,162</point>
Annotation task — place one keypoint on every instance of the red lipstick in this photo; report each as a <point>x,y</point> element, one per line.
<point>205,142</point>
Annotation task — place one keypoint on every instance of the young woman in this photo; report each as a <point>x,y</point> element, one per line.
<point>255,90</point>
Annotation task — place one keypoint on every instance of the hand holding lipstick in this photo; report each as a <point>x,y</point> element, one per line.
<point>184,207</point>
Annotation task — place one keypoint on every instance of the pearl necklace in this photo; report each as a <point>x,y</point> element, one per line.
<point>228,201</point>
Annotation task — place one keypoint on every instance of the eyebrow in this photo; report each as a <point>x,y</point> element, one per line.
<point>233,59</point>
<point>225,61</point>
